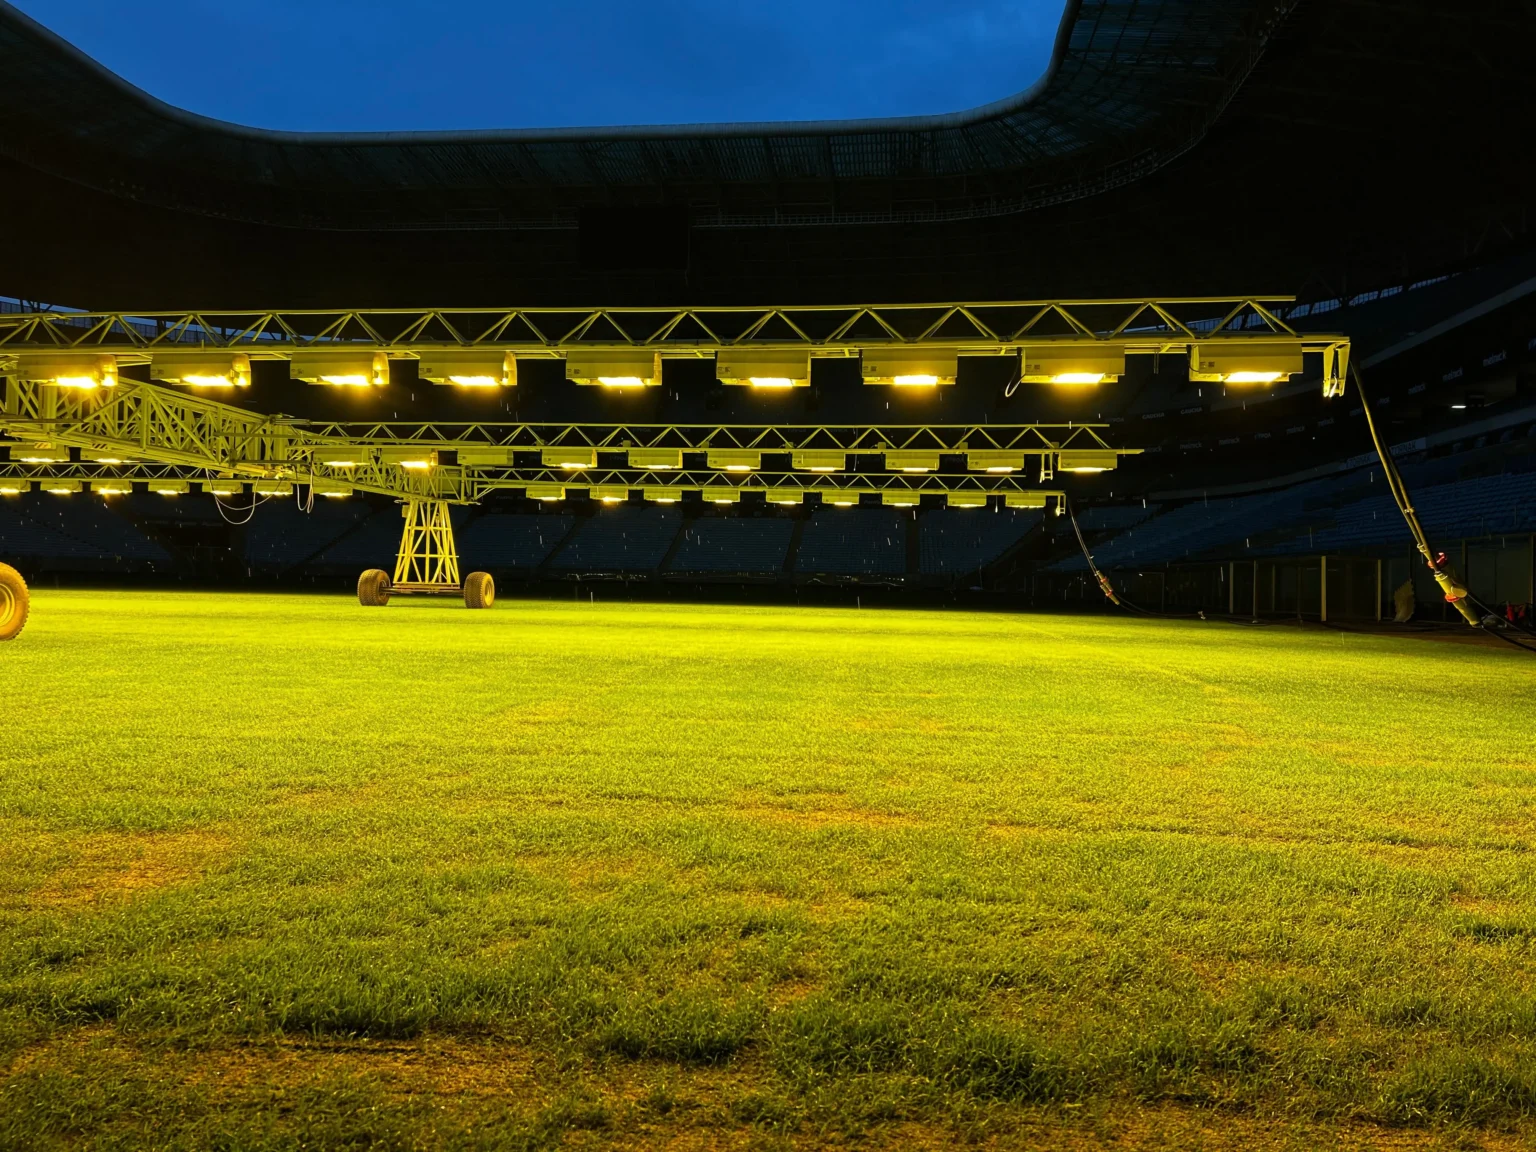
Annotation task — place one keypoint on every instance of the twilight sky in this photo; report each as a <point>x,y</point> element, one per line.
<point>363,65</point>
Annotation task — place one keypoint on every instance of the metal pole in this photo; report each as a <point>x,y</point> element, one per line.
<point>1322,562</point>
<point>1378,590</point>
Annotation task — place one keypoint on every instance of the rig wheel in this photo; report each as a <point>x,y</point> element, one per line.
<point>373,588</point>
<point>479,590</point>
<point>14,603</point>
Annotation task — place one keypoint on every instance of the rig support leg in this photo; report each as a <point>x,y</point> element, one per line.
<point>427,561</point>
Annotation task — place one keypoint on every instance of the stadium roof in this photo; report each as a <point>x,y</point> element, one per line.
<point>1185,147</point>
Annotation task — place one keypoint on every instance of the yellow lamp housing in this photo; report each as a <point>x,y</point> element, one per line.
<point>468,368</point>
<point>656,459</point>
<point>574,457</point>
<point>330,489</point>
<point>202,369</point>
<point>763,368</point>
<point>907,461</point>
<point>785,496</point>
<point>996,460</point>
<point>910,367</point>
<point>272,488</point>
<point>547,493</point>
<point>1072,364</point>
<point>966,499</point>
<point>1087,460</point>
<point>1240,361</point>
<point>61,487</point>
<point>112,487</point>
<point>609,493</point>
<point>735,459</point>
<point>1025,499</point>
<point>665,495</point>
<point>900,499</point>
<point>14,486</point>
<point>820,460</point>
<point>841,497</point>
<point>38,454</point>
<point>484,456</point>
<point>343,456</point>
<point>721,494</point>
<point>82,371</point>
<point>411,457</point>
<point>340,367</point>
<point>170,487</point>
<point>224,487</point>
<point>614,368</point>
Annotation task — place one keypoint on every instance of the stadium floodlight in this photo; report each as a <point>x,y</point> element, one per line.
<point>484,456</point>
<point>900,499</point>
<point>1024,499</point>
<point>735,459</point>
<point>614,368</point>
<point>721,494</point>
<point>609,493</point>
<point>413,457</point>
<point>202,369</point>
<point>820,460</point>
<point>966,499</point>
<point>40,455</point>
<point>340,367</point>
<point>343,456</point>
<point>1072,364</point>
<point>11,486</point>
<point>572,456</point>
<point>663,495</point>
<point>548,493</point>
<point>62,487</point>
<point>112,487</point>
<point>224,487</point>
<point>170,487</point>
<point>468,368</point>
<point>656,459</point>
<point>330,489</point>
<point>912,461</point>
<point>81,371</point>
<point>272,488</point>
<point>1245,362</point>
<point>910,367</point>
<point>786,496</point>
<point>763,368</point>
<point>1087,459</point>
<point>999,460</point>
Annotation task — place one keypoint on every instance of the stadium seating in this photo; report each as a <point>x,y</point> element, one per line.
<point>721,545</point>
<point>372,544</point>
<point>854,542</point>
<point>953,541</point>
<point>281,535</point>
<point>623,539</point>
<point>501,542</point>
<point>59,529</point>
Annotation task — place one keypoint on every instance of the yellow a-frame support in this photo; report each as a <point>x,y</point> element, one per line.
<point>428,562</point>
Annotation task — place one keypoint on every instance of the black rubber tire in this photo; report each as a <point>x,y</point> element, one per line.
<point>373,588</point>
<point>479,590</point>
<point>15,602</point>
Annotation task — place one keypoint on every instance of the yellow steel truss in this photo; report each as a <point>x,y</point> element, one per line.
<point>427,561</point>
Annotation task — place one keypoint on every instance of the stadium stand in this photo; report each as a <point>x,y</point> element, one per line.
<point>625,539</point>
<point>854,542</point>
<point>953,541</point>
<point>85,527</point>
<point>372,544</point>
<point>720,545</point>
<point>282,535</point>
<point>499,542</point>
<point>23,539</point>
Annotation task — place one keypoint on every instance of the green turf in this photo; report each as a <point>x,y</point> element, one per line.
<point>280,871</point>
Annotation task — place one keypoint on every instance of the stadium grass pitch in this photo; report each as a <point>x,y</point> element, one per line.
<point>278,871</point>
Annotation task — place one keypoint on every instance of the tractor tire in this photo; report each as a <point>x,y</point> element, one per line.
<point>373,588</point>
<point>14,603</point>
<point>479,590</point>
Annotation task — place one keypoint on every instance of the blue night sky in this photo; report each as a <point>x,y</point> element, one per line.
<point>351,65</point>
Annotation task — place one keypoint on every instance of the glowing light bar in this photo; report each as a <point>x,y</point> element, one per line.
<point>81,372</point>
<point>343,456</point>
<point>202,369</point>
<point>996,460</point>
<point>1080,365</point>
<point>840,497</point>
<point>1239,361</point>
<point>410,456</point>
<point>548,493</point>
<point>763,368</point>
<point>665,495</point>
<point>966,499</point>
<point>330,489</point>
<point>170,487</point>
<point>910,367</point>
<point>820,460</point>
<point>735,459</point>
<point>1025,500</point>
<point>912,461</point>
<point>14,487</point>
<point>272,488</point>
<point>1087,459</point>
<point>900,499</point>
<point>340,367</point>
<point>112,487</point>
<point>484,456</point>
<point>656,459</point>
<point>609,493</point>
<point>788,496</point>
<point>40,455</point>
<point>573,456</point>
<point>614,368</point>
<point>224,487</point>
<point>721,494</point>
<point>62,487</point>
<point>484,368</point>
